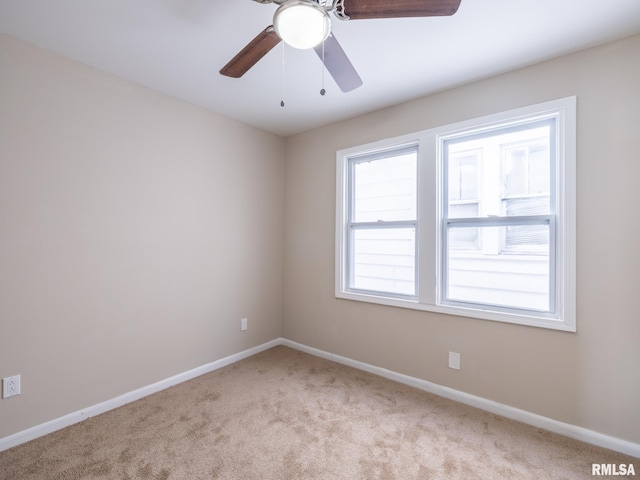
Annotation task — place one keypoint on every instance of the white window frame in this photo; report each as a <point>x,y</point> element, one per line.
<point>429,222</point>
<point>352,226</point>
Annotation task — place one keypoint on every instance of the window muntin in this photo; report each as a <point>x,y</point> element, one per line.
<point>530,217</point>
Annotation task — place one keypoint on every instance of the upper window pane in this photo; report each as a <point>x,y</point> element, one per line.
<point>385,188</point>
<point>505,172</point>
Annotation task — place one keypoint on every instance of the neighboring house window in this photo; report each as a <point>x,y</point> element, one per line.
<point>474,219</point>
<point>463,195</point>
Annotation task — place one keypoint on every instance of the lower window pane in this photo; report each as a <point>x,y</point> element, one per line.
<point>491,276</point>
<point>384,260</point>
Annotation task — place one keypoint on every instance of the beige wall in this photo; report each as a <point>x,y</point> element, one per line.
<point>135,232</point>
<point>590,378</point>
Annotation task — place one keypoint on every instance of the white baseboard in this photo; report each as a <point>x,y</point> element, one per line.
<point>80,415</point>
<point>538,421</point>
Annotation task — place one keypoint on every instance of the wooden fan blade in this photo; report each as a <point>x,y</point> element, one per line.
<point>249,55</point>
<point>361,9</point>
<point>338,64</point>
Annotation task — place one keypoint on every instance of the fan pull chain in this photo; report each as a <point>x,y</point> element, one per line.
<point>322,90</point>
<point>282,92</point>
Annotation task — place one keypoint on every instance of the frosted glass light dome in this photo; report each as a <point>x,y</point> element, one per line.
<point>302,23</point>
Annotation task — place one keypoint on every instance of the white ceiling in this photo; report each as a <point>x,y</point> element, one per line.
<point>178,47</point>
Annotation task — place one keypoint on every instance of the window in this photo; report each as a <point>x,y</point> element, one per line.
<point>474,219</point>
<point>382,222</point>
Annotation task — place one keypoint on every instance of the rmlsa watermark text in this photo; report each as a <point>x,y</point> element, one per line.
<point>622,469</point>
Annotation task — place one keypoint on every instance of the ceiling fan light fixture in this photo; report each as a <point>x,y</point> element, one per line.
<point>302,23</point>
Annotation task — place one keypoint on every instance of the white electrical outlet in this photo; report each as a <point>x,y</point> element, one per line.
<point>11,386</point>
<point>243,324</point>
<point>454,360</point>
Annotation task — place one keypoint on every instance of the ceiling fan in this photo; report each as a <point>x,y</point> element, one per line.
<point>306,24</point>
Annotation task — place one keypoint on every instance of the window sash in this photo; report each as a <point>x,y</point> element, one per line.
<point>353,228</point>
<point>546,220</point>
<point>498,221</point>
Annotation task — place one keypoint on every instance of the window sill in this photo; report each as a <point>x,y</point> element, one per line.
<point>528,320</point>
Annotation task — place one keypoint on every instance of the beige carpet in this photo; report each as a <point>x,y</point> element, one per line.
<point>283,414</point>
